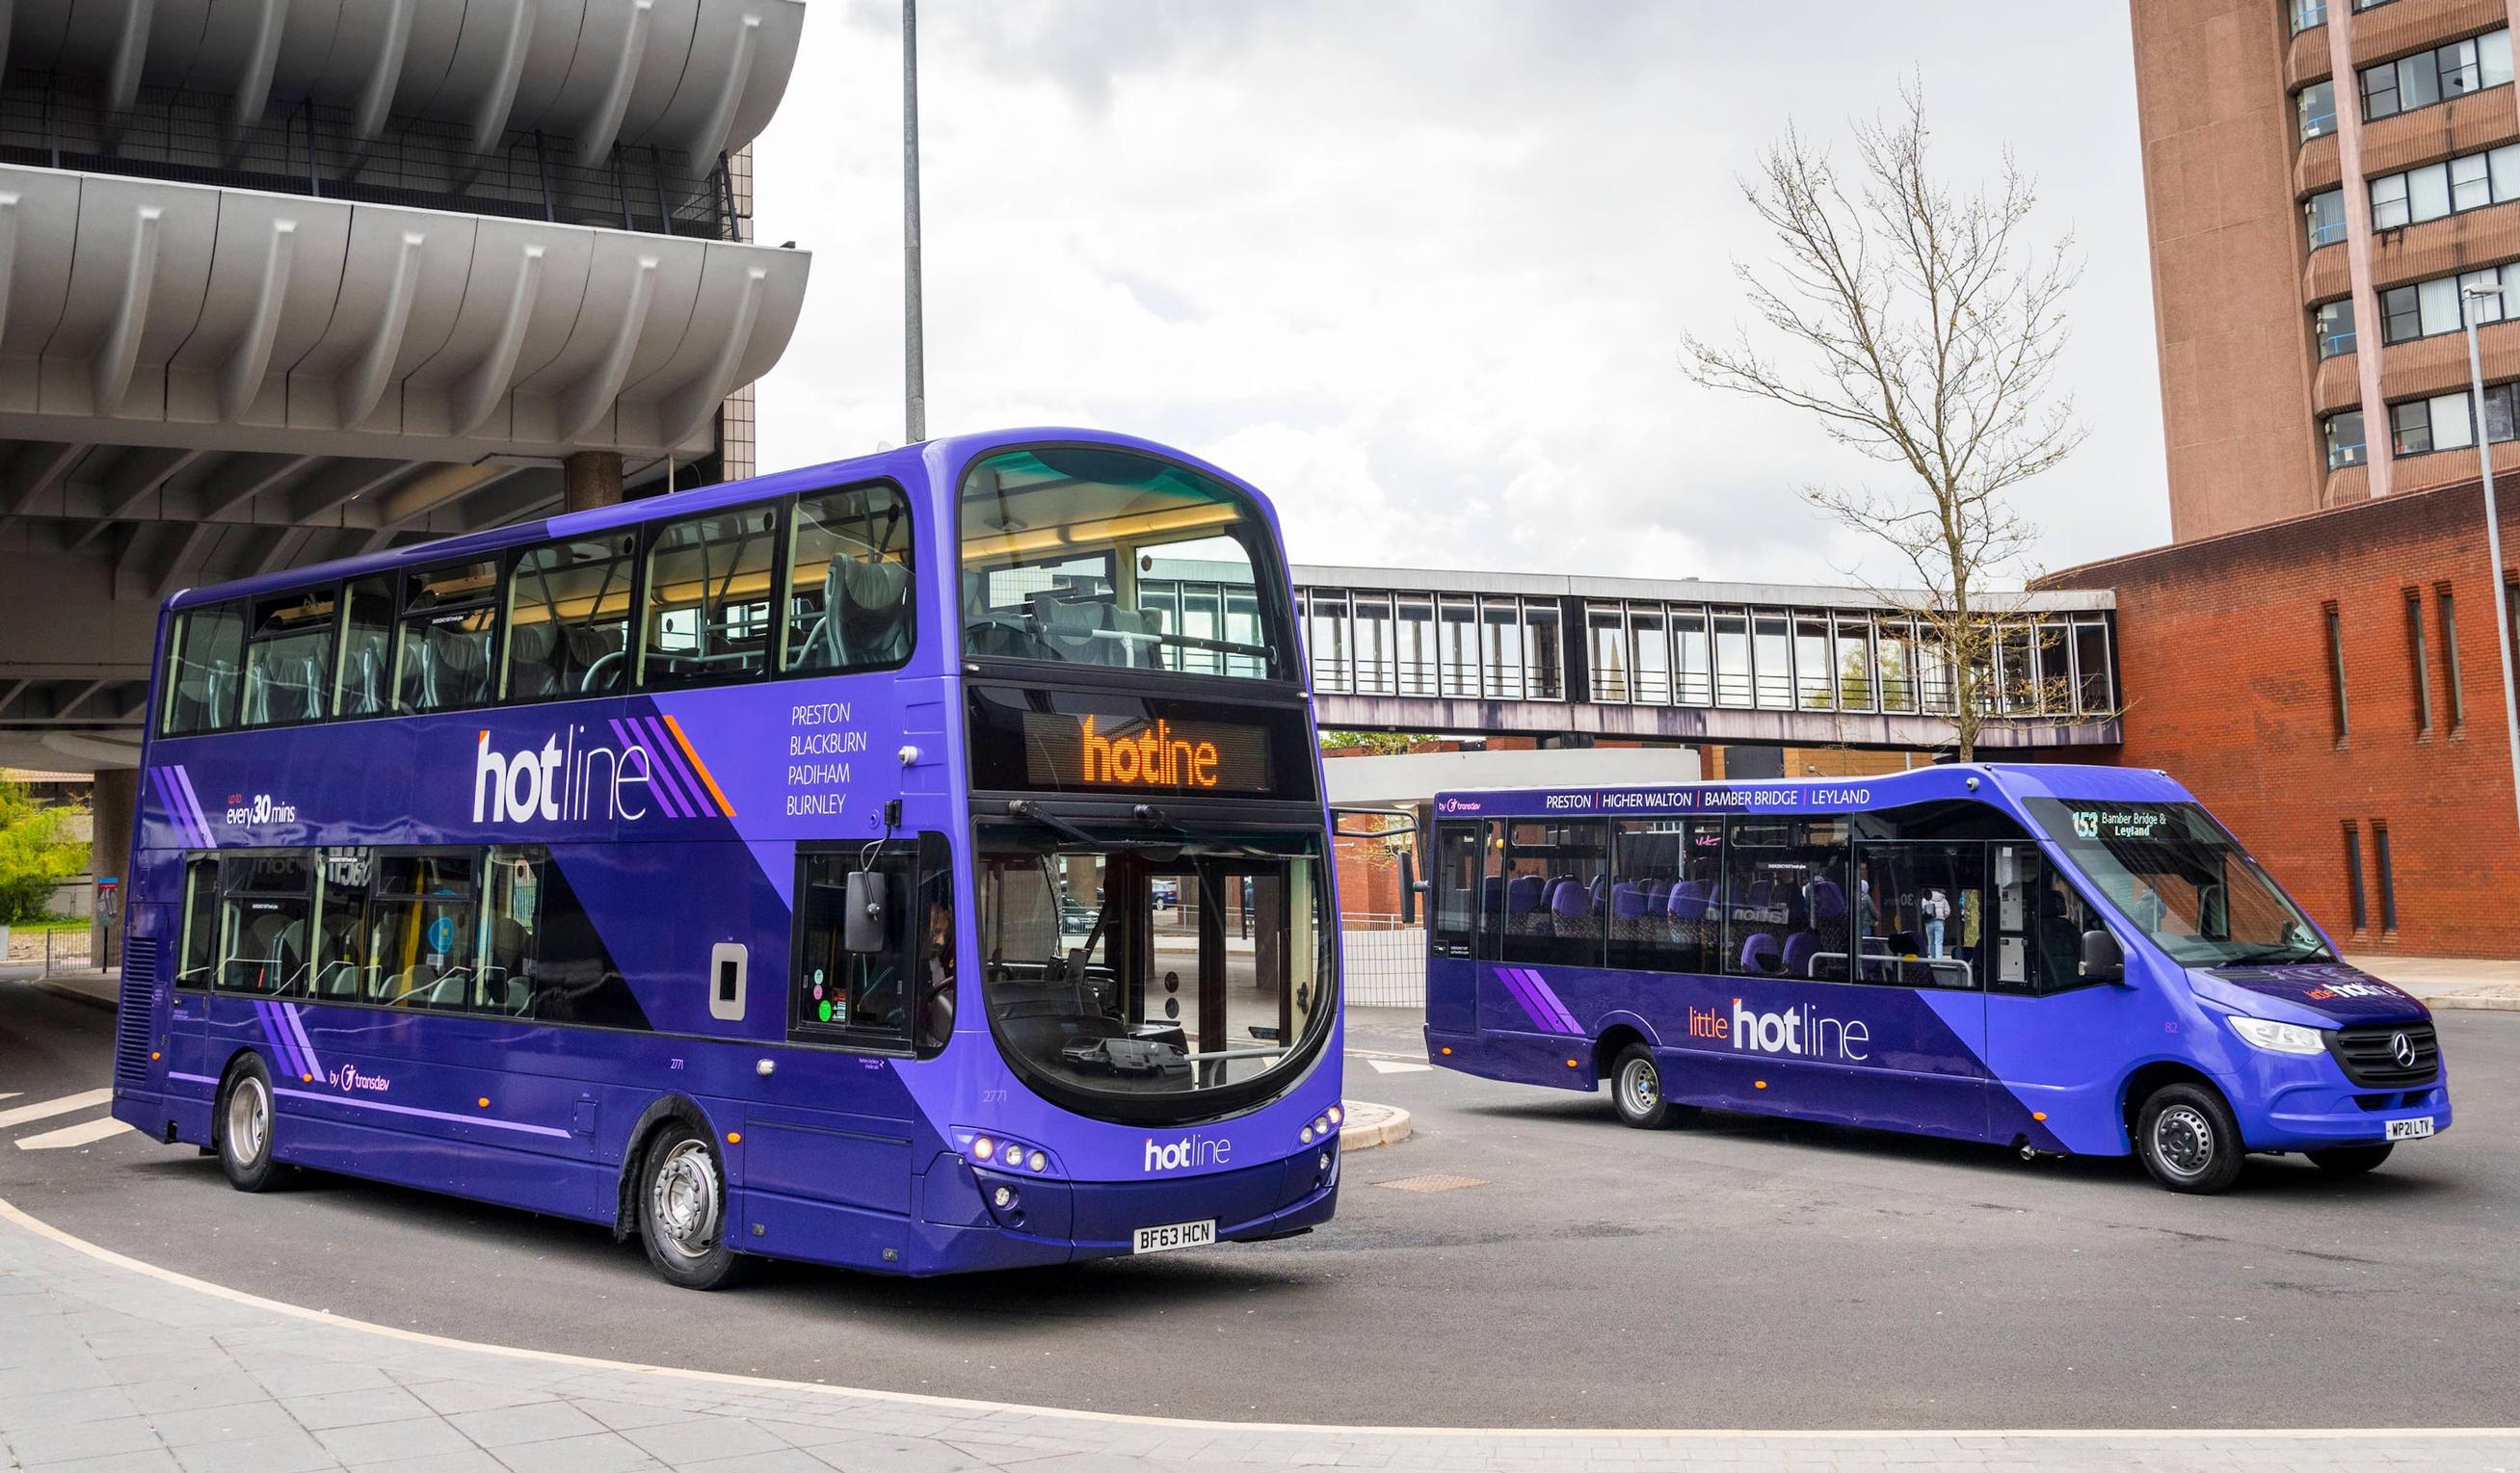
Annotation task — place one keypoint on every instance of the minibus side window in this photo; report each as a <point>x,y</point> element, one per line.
<point>1557,884</point>
<point>2039,922</point>
<point>1787,907</point>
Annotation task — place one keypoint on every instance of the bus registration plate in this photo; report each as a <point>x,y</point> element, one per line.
<point>1175,1235</point>
<point>2415,1128</point>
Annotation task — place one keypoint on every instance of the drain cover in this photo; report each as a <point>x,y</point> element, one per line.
<point>1432,1181</point>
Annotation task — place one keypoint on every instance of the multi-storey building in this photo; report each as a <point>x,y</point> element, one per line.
<point>2324,179</point>
<point>282,280</point>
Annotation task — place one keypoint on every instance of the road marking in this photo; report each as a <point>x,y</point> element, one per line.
<point>1395,1066</point>
<point>7,1093</point>
<point>85,1133</point>
<point>14,1215</point>
<point>64,1106</point>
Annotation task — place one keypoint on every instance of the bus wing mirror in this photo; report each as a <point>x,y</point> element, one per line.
<point>863,913</point>
<point>1408,888</point>
<point>2104,959</point>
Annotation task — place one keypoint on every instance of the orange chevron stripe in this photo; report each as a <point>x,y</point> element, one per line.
<point>697,766</point>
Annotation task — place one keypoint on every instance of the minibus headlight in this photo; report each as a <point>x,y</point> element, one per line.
<point>2278,1037</point>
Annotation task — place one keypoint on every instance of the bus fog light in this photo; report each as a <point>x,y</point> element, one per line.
<point>1004,1196</point>
<point>1324,1161</point>
<point>984,1147</point>
<point>1038,1162</point>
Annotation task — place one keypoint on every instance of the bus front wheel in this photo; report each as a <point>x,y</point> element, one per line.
<point>2188,1140</point>
<point>244,1123</point>
<point>1636,1085</point>
<point>682,1210</point>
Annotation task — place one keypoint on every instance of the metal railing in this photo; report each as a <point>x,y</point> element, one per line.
<point>1382,960</point>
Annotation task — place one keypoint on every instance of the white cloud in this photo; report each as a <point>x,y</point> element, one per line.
<point>1420,269</point>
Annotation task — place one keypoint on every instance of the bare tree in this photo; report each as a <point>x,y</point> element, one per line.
<point>1925,327</point>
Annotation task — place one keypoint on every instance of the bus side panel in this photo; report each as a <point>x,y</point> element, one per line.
<point>2064,1055</point>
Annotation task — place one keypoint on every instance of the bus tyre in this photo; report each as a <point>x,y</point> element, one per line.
<point>243,1125</point>
<point>682,1209</point>
<point>1635,1086</point>
<point>2352,1160</point>
<point>2189,1140</point>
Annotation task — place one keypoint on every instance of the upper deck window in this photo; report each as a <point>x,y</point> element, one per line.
<point>568,618</point>
<point>708,597</point>
<point>849,582</point>
<point>204,663</point>
<point>289,659</point>
<point>1091,555</point>
<point>449,616</point>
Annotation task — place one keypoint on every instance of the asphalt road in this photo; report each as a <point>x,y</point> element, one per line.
<point>1738,1273</point>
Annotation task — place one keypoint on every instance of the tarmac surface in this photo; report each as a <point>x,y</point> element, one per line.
<point>1522,1261</point>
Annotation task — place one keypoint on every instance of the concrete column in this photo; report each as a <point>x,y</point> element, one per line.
<point>2358,251</point>
<point>593,479</point>
<point>116,794</point>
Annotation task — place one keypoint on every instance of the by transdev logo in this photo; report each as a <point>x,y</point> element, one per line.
<point>1187,1151</point>
<point>1799,1030</point>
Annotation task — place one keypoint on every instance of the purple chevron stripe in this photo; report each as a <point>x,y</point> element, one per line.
<point>1549,999</point>
<point>662,783</point>
<point>210,835</point>
<point>394,1109</point>
<point>281,1040</point>
<point>701,802</point>
<point>660,749</point>
<point>187,832</point>
<point>305,1046</point>
<point>166,800</point>
<point>1523,996</point>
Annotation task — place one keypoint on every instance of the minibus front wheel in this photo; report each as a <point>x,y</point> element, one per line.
<point>2187,1138</point>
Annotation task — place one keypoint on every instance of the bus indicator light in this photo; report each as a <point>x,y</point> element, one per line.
<point>2039,1114</point>
<point>483,1101</point>
<point>1758,1084</point>
<point>735,1138</point>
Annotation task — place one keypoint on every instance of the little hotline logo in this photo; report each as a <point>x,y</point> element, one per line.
<point>1803,1032</point>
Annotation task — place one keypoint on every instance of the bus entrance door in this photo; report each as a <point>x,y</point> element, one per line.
<point>1460,861</point>
<point>1923,928</point>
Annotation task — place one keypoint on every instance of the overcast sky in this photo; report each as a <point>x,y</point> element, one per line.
<point>1420,269</point>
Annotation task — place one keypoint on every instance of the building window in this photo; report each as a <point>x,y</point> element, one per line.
<point>2355,902</point>
<point>2344,439</point>
<point>2443,421</point>
<point>2336,668</point>
<point>2316,106</point>
<point>2428,309</point>
<point>2323,213</point>
<point>2308,14</point>
<point>2431,76</point>
<point>2470,181</point>
<point>2449,659</point>
<point>2334,326</point>
<point>2388,880</point>
<point>2419,657</point>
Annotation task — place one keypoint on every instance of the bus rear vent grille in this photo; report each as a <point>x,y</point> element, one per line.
<point>135,1012</point>
<point>2373,1056</point>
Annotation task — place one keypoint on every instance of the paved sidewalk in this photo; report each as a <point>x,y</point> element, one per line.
<point>2450,981</point>
<point>108,1365</point>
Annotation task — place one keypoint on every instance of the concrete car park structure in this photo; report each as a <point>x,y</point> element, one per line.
<point>290,280</point>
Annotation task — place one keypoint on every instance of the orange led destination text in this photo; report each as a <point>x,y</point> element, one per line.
<point>1155,759</point>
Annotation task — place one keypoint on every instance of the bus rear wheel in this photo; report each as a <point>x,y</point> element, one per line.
<point>682,1210</point>
<point>2352,1160</point>
<point>1636,1087</point>
<point>244,1126</point>
<point>2188,1140</point>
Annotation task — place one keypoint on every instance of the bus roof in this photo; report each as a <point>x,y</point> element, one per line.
<point>903,465</point>
<point>1981,780</point>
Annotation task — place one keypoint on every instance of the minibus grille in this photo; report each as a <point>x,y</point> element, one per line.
<point>2370,1055</point>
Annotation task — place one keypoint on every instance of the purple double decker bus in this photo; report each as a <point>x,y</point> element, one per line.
<point>915,864</point>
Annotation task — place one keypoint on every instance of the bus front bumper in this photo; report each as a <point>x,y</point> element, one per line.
<point>965,1228</point>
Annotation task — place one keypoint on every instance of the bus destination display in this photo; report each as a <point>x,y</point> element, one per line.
<point>1098,751</point>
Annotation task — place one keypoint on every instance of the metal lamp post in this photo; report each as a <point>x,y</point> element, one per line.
<point>2493,531</point>
<point>914,340</point>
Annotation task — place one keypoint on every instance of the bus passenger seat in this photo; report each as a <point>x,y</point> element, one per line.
<point>1759,954</point>
<point>1571,910</point>
<point>1069,628</point>
<point>1800,947</point>
<point>529,660</point>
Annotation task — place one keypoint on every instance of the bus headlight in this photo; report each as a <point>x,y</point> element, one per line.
<point>1038,1162</point>
<point>1337,1114</point>
<point>2278,1037</point>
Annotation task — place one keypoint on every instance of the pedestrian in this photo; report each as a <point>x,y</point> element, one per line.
<point>1936,909</point>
